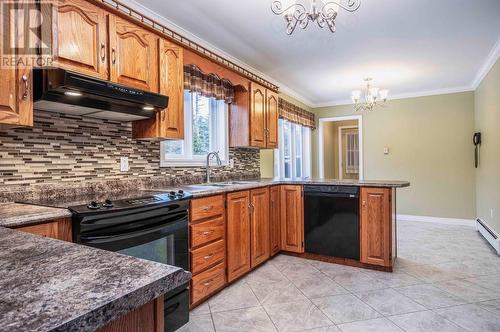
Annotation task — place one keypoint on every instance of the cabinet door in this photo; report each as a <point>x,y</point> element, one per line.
<point>376,226</point>
<point>292,219</point>
<point>271,119</point>
<point>259,203</point>
<point>238,234</point>
<point>80,44</point>
<point>257,116</point>
<point>16,97</point>
<point>134,55</point>
<point>274,220</point>
<point>172,85</point>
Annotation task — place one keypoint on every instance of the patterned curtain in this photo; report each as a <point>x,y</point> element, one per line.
<point>295,114</point>
<point>208,85</point>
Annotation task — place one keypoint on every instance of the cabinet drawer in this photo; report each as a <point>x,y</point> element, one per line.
<point>208,255</point>
<point>208,282</point>
<point>207,207</point>
<point>207,231</point>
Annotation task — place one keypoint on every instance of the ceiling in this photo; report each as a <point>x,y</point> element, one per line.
<point>411,47</point>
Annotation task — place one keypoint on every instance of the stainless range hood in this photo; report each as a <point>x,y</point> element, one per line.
<point>61,91</point>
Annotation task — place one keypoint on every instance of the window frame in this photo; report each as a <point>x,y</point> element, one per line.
<point>279,154</point>
<point>218,142</point>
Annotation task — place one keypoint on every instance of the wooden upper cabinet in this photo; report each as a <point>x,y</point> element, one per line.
<point>16,93</point>
<point>257,115</point>
<point>259,207</point>
<point>271,119</point>
<point>254,118</point>
<point>81,41</point>
<point>376,226</point>
<point>292,219</point>
<point>238,234</point>
<point>274,220</point>
<point>172,85</point>
<point>133,55</point>
<point>169,123</point>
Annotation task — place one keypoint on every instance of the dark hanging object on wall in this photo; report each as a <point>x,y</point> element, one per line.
<point>476,139</point>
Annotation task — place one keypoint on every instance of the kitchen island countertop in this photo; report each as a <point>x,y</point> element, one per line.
<point>52,285</point>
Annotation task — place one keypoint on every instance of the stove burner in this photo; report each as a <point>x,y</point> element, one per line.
<point>107,204</point>
<point>94,205</point>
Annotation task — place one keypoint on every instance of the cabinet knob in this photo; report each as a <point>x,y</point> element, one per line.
<point>103,52</point>
<point>26,87</point>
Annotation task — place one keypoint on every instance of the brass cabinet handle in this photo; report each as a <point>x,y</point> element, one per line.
<point>208,207</point>
<point>207,232</point>
<point>208,256</point>
<point>26,87</point>
<point>163,113</point>
<point>103,52</point>
<point>207,283</point>
<point>113,54</point>
<point>364,203</point>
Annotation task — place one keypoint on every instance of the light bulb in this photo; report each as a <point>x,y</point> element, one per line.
<point>383,94</point>
<point>355,95</point>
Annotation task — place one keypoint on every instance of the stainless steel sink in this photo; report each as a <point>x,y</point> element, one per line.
<point>227,184</point>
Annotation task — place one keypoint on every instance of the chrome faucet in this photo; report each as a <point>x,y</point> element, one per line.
<point>209,157</point>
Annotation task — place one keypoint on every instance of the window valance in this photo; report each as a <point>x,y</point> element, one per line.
<point>208,85</point>
<point>295,114</point>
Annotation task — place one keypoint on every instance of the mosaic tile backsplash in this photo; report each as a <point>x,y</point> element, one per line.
<point>68,151</point>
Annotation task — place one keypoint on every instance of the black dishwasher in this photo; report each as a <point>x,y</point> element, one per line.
<point>331,220</point>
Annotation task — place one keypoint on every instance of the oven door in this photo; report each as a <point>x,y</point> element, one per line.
<point>151,234</point>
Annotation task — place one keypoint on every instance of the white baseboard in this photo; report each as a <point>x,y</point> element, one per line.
<point>437,220</point>
<point>489,234</point>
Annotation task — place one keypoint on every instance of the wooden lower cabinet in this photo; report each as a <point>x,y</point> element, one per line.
<point>208,282</point>
<point>292,218</point>
<point>207,235</point>
<point>148,318</point>
<point>57,229</point>
<point>259,216</point>
<point>238,234</point>
<point>274,220</point>
<point>376,226</point>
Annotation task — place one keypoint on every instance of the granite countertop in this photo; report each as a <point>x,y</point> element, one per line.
<point>202,190</point>
<point>52,285</point>
<point>15,214</point>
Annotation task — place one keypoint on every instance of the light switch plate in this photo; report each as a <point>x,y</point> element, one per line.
<point>124,164</point>
<point>386,150</point>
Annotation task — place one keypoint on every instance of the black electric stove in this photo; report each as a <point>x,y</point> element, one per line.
<point>144,224</point>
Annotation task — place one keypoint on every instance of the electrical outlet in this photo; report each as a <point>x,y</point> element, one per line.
<point>231,163</point>
<point>124,164</point>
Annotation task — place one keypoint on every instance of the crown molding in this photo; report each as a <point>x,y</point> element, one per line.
<point>483,71</point>
<point>402,96</point>
<point>488,64</point>
<point>160,19</point>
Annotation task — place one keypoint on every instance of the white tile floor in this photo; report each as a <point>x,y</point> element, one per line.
<point>446,278</point>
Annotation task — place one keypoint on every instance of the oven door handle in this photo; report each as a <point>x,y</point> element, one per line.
<point>110,238</point>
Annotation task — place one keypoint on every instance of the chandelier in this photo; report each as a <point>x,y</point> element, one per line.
<point>324,13</point>
<point>373,97</point>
